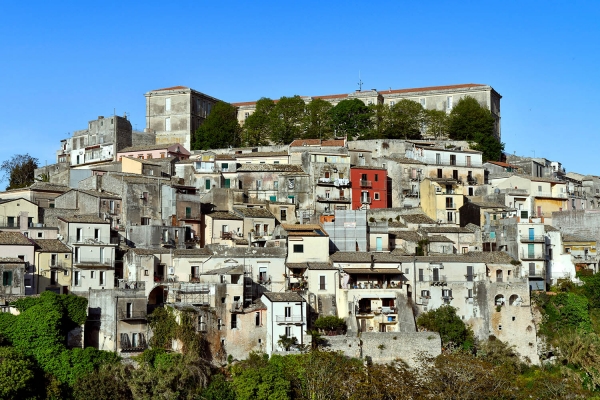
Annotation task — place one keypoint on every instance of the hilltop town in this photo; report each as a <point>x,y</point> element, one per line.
<point>259,242</point>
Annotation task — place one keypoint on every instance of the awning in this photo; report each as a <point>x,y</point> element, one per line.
<point>372,271</point>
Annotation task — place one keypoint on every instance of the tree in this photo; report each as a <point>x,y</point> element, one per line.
<point>351,118</point>
<point>18,375</point>
<point>317,121</point>
<point>258,127</point>
<point>287,118</point>
<point>220,129</point>
<point>437,123</point>
<point>330,323</point>
<point>471,122</point>
<point>405,120</point>
<point>20,170</point>
<point>452,330</point>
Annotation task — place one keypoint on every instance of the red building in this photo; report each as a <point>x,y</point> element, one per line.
<point>369,187</point>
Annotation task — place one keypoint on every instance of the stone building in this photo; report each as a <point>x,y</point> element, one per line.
<point>174,113</point>
<point>101,141</point>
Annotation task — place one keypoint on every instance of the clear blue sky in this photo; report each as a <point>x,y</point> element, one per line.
<point>65,63</point>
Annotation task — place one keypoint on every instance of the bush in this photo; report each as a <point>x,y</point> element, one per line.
<point>330,323</point>
<point>452,330</point>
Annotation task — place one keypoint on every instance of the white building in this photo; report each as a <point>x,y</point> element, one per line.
<point>286,316</point>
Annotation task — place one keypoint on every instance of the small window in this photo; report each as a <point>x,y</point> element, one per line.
<point>322,284</point>
<point>298,248</point>
<point>376,196</point>
<point>7,278</point>
<point>257,318</point>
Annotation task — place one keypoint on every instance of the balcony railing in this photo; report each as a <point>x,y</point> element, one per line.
<point>550,194</point>
<point>124,315</point>
<point>226,235</point>
<point>56,265</point>
<point>525,255</point>
<point>93,261</point>
<point>435,161</point>
<point>533,239</point>
<point>365,183</point>
<point>262,280</point>
<point>292,319</point>
<point>365,200</point>
<point>326,199</point>
<point>438,280</point>
<point>537,273</point>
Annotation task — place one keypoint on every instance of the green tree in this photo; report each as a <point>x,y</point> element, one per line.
<point>287,118</point>
<point>452,330</point>
<point>405,120</point>
<point>19,170</point>
<point>220,129</point>
<point>18,376</point>
<point>470,121</point>
<point>317,121</point>
<point>108,383</point>
<point>351,118</point>
<point>258,127</point>
<point>437,123</point>
<point>330,323</point>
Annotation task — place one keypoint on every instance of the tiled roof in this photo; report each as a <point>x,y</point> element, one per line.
<point>576,238</point>
<point>263,154</point>
<point>502,164</point>
<point>409,236</point>
<point>385,257</point>
<point>351,256</point>
<point>52,245</point>
<point>86,219</point>
<point>191,252</point>
<point>270,168</point>
<point>417,219</point>
<point>171,88</point>
<point>487,204</point>
<point>283,296</point>
<point>445,229</point>
<point>396,224</point>
<point>304,230</point>
<point>404,160</point>
<point>51,187</point>
<point>359,167</point>
<point>14,238</point>
<point>489,257</point>
<point>318,142</point>
<point>331,96</point>
<point>11,260</point>
<point>550,228</point>
<point>149,252</point>
<point>149,147</point>
<point>231,270</point>
<point>432,88</point>
<point>253,212</point>
<point>439,239</point>
<point>224,157</point>
<point>320,266</point>
<point>95,193</point>
<point>224,215</point>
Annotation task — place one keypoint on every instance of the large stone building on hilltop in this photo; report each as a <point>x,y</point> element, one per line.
<point>442,98</point>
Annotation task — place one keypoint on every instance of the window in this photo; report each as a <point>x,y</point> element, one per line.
<point>298,248</point>
<point>539,188</point>
<point>188,212</point>
<point>468,161</point>
<point>288,312</point>
<point>422,101</point>
<point>449,202</point>
<point>219,324</point>
<point>283,214</point>
<point>167,124</point>
<point>425,293</point>
<point>168,104</point>
<point>92,274</point>
<point>449,102</point>
<point>322,285</point>
<point>450,216</point>
<point>97,234</point>
<point>7,278</point>
<point>207,184</point>
<point>438,158</point>
<point>77,278</point>
<point>376,177</point>
<point>376,196</point>
<point>79,234</point>
<point>129,310</point>
<point>446,293</point>
<point>439,173</point>
<point>234,321</point>
<point>257,318</point>
<point>436,275</point>
<point>288,331</point>
<point>246,115</point>
<point>40,235</point>
<point>421,275</point>
<point>469,273</point>
<point>455,174</point>
<point>452,159</point>
<point>392,103</point>
<point>470,293</point>
<point>102,277</point>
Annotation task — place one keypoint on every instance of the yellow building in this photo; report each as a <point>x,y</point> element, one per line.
<point>54,266</point>
<point>441,199</point>
<point>18,214</point>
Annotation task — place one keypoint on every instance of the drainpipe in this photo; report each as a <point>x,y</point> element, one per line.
<point>415,278</point>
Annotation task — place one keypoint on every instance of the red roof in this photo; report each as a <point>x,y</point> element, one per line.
<point>172,88</point>
<point>427,89</point>
<point>503,164</point>
<point>331,96</point>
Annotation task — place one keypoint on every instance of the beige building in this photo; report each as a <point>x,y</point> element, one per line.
<point>54,266</point>
<point>176,112</point>
<point>441,199</point>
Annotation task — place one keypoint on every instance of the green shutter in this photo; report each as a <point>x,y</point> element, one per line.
<point>227,183</point>
<point>207,184</point>
<point>272,198</point>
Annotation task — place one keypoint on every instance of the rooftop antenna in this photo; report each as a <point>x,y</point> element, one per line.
<point>360,82</point>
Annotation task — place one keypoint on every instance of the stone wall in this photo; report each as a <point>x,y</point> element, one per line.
<point>584,223</point>
<point>384,347</point>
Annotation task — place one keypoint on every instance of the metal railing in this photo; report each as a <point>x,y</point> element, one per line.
<point>550,194</point>
<point>536,255</point>
<point>332,199</point>
<point>365,200</point>
<point>289,319</point>
<point>97,260</point>
<point>365,183</point>
<point>123,314</point>
<point>532,239</point>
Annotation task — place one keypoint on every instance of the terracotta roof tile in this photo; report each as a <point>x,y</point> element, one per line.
<point>432,88</point>
<point>171,88</point>
<point>283,296</point>
<point>14,238</point>
<point>52,245</point>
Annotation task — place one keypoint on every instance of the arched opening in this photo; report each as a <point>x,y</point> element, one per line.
<point>498,275</point>
<point>514,300</point>
<point>156,298</point>
<point>499,300</point>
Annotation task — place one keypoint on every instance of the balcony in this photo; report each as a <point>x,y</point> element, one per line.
<point>57,265</point>
<point>131,315</point>
<point>450,206</point>
<point>325,199</point>
<point>536,255</point>
<point>365,200</point>
<point>131,285</point>
<point>226,235</point>
<point>106,262</point>
<point>292,319</point>
<point>194,278</point>
<point>537,273</point>
<point>533,239</point>
<point>90,240</point>
<point>365,183</point>
<point>439,280</point>
<point>263,280</point>
<point>550,195</point>
<point>333,182</point>
<point>375,286</point>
